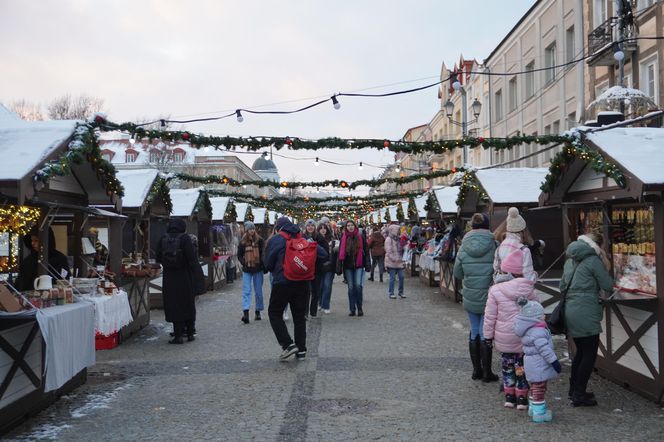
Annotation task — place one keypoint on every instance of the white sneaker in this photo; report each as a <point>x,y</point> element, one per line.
<point>286,318</point>
<point>320,308</point>
<point>326,311</point>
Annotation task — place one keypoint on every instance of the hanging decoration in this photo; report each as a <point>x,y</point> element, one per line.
<point>161,191</point>
<point>84,145</point>
<point>469,182</point>
<point>215,179</point>
<point>296,143</point>
<point>18,219</point>
<point>577,149</point>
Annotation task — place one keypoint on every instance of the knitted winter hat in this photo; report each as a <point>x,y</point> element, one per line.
<point>310,222</point>
<point>513,263</point>
<point>515,222</point>
<point>324,220</point>
<point>281,222</point>
<point>248,225</point>
<point>530,309</point>
<point>479,221</point>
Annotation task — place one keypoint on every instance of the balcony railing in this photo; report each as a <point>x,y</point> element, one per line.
<point>601,39</point>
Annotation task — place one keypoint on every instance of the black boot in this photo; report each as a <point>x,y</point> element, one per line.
<point>572,389</point>
<point>178,329</point>
<point>257,317</point>
<point>486,352</point>
<point>245,316</point>
<point>474,349</point>
<point>580,399</point>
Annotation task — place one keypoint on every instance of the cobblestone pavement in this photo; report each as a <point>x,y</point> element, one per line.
<point>399,373</point>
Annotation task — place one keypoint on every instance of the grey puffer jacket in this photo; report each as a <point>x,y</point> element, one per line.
<point>537,349</point>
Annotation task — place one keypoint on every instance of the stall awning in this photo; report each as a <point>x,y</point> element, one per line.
<point>447,199</point>
<point>219,206</point>
<point>420,203</point>
<point>512,185</point>
<point>137,184</point>
<point>640,150</point>
<point>259,215</point>
<point>184,201</point>
<point>241,211</point>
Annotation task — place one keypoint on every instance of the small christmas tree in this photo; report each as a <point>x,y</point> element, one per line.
<point>412,210</point>
<point>249,216</point>
<point>431,204</point>
<point>388,218</point>
<point>231,213</point>
<point>400,216</point>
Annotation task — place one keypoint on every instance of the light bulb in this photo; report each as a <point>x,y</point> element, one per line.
<point>132,140</point>
<point>316,163</point>
<point>264,154</point>
<point>335,102</point>
<point>456,85</point>
<point>240,118</point>
<point>619,55</point>
<point>360,166</point>
<point>206,148</point>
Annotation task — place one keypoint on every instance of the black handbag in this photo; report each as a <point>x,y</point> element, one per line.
<point>556,322</point>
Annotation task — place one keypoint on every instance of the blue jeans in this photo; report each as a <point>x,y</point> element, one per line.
<point>354,278</point>
<point>247,280</point>
<point>476,325</point>
<point>393,273</point>
<point>326,290</point>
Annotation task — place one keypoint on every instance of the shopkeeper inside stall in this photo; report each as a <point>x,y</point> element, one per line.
<point>58,265</point>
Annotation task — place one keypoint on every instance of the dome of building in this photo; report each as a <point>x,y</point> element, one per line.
<point>263,163</point>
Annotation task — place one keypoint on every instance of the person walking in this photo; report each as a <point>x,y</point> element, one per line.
<point>540,360</point>
<point>376,243</point>
<point>312,235</point>
<point>474,265</point>
<point>499,315</point>
<point>328,267</point>
<point>250,255</point>
<point>354,255</point>
<point>394,260</point>
<point>513,234</point>
<point>585,273</point>
<point>286,292</point>
<point>175,252</point>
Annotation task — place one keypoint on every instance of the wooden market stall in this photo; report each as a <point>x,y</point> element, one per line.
<point>450,287</point>
<point>631,219</point>
<point>50,173</point>
<point>220,256</point>
<point>146,202</point>
<point>193,206</point>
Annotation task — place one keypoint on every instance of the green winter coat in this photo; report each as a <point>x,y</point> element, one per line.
<point>474,265</point>
<point>583,311</point>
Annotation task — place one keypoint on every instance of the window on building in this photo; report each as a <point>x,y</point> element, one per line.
<point>570,50</point>
<point>599,12</point>
<point>511,89</point>
<point>549,63</point>
<point>649,80</point>
<point>643,4</point>
<point>571,120</point>
<point>178,157</point>
<point>555,128</point>
<point>530,79</point>
<point>130,157</point>
<point>155,155</point>
<point>499,104</point>
<point>106,156</point>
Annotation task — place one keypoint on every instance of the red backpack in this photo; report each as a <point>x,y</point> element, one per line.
<point>300,258</point>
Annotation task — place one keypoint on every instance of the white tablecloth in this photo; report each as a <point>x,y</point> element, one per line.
<point>68,332</point>
<point>111,312</point>
<point>427,262</point>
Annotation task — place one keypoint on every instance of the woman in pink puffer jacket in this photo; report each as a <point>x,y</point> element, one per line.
<point>500,312</point>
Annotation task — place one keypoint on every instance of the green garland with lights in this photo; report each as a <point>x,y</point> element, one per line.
<point>160,190</point>
<point>296,143</point>
<point>577,149</point>
<point>469,182</point>
<point>215,179</point>
<point>84,145</point>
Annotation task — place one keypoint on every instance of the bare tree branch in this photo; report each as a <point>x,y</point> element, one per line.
<point>27,110</point>
<point>67,107</point>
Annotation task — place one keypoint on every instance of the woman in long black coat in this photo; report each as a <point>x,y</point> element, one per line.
<point>179,281</point>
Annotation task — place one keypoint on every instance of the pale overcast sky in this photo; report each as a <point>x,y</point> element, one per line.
<point>147,58</point>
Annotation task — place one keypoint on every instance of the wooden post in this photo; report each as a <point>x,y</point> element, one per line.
<point>76,244</point>
<point>659,260</point>
<point>115,245</point>
<point>42,265</point>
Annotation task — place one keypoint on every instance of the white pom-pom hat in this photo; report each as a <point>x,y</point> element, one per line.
<point>515,222</point>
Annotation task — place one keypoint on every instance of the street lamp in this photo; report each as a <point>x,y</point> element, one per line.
<point>464,123</point>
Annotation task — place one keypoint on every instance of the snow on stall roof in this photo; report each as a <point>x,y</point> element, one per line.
<point>512,185</point>
<point>241,211</point>
<point>219,205</point>
<point>137,184</point>
<point>420,202</point>
<point>640,150</point>
<point>447,197</point>
<point>25,145</point>
<point>259,214</point>
<point>184,201</point>
<point>7,116</point>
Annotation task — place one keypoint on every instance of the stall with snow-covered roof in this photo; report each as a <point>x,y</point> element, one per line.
<point>220,256</point>
<point>147,205</point>
<point>51,173</point>
<point>611,182</point>
<point>193,206</point>
<point>450,287</point>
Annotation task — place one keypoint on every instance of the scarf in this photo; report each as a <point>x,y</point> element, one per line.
<point>251,253</point>
<point>359,261</point>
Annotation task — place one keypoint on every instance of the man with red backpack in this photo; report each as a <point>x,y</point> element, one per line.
<point>291,260</point>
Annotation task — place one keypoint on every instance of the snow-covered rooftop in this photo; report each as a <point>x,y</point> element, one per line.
<point>512,185</point>
<point>219,205</point>
<point>640,150</point>
<point>447,197</point>
<point>25,145</point>
<point>259,215</point>
<point>137,184</point>
<point>184,201</point>
<point>420,202</point>
<point>241,211</point>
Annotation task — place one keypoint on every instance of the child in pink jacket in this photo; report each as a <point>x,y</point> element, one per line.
<point>499,314</point>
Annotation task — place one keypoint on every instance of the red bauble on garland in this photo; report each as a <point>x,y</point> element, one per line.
<point>289,142</point>
<point>481,139</point>
<point>185,136</point>
<point>386,144</point>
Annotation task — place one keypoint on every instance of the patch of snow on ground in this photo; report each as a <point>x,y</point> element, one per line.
<point>45,432</point>
<point>97,402</point>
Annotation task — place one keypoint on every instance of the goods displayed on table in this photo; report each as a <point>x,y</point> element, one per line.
<point>633,248</point>
<point>135,265</point>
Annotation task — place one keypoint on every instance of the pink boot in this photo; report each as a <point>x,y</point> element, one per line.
<point>521,399</point>
<point>510,397</point>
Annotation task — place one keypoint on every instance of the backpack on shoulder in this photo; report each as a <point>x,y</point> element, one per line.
<point>171,252</point>
<point>300,258</point>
